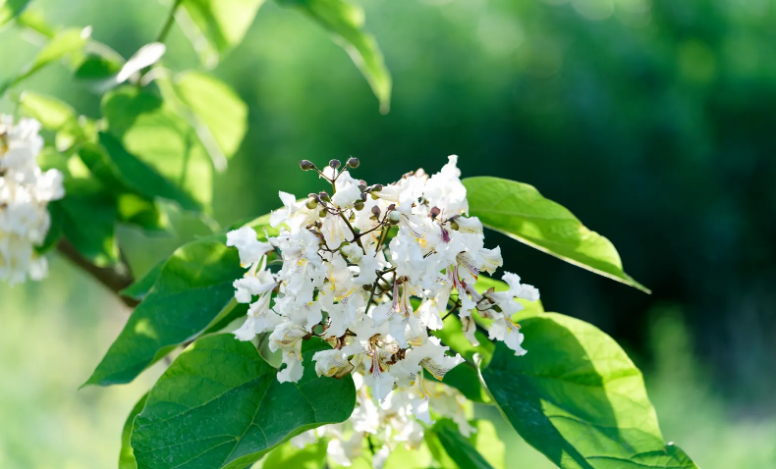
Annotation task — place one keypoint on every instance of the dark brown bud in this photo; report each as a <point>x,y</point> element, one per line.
<point>376,188</point>
<point>376,211</point>
<point>363,196</point>
<point>353,163</point>
<point>306,165</point>
<point>324,196</point>
<point>434,212</point>
<point>335,163</point>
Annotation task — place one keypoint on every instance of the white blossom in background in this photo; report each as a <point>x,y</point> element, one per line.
<point>374,270</point>
<point>25,192</point>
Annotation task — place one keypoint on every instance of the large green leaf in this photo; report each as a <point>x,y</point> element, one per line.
<point>193,287</point>
<point>216,26</point>
<point>578,398</point>
<point>458,447</point>
<point>126,454</point>
<point>64,43</point>
<point>346,23</point>
<point>10,9</point>
<point>220,405</point>
<point>213,109</point>
<point>175,165</point>
<point>519,211</point>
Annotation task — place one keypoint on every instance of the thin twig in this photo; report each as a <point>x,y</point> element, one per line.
<point>115,278</point>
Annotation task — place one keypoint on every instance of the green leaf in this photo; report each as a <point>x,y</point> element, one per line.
<point>346,23</point>
<point>220,115</point>
<point>96,67</point>
<point>219,405</point>
<point>89,220</point>
<point>312,456</point>
<point>464,377</point>
<point>126,454</point>
<point>140,288</point>
<point>52,113</point>
<point>64,43</point>
<point>459,448</point>
<point>519,211</point>
<point>488,443</point>
<point>193,287</point>
<point>174,165</point>
<point>578,398</point>
<point>139,176</point>
<point>216,26</point>
<point>10,9</point>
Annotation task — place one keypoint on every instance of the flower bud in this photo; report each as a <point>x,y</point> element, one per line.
<point>454,225</point>
<point>324,196</point>
<point>394,217</point>
<point>353,163</point>
<point>306,165</point>
<point>359,206</point>
<point>375,188</point>
<point>376,211</point>
<point>335,163</point>
<point>363,196</point>
<point>311,203</point>
<point>322,213</point>
<point>434,212</point>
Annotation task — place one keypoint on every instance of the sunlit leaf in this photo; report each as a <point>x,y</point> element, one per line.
<point>126,454</point>
<point>346,23</point>
<point>52,113</point>
<point>458,447</point>
<point>220,405</point>
<point>10,9</point>
<point>216,26</point>
<point>193,287</point>
<point>519,211</point>
<point>578,398</point>
<point>213,110</point>
<point>312,456</point>
<point>66,42</point>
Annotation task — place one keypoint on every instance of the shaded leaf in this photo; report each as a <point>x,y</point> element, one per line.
<point>140,288</point>
<point>174,165</point>
<point>126,454</point>
<point>346,23</point>
<point>488,443</point>
<point>519,211</point>
<point>216,26</point>
<point>219,405</point>
<point>578,398</point>
<point>89,220</point>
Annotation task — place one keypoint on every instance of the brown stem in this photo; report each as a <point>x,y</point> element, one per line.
<point>114,278</point>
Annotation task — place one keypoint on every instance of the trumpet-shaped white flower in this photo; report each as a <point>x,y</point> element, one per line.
<point>25,192</point>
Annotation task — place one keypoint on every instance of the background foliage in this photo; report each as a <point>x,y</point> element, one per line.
<point>648,120</point>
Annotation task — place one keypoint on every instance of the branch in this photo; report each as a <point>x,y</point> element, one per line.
<point>114,278</point>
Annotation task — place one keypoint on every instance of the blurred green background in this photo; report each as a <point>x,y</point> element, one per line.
<point>653,121</point>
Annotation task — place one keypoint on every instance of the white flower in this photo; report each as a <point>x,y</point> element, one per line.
<point>25,192</point>
<point>250,248</point>
<point>347,191</point>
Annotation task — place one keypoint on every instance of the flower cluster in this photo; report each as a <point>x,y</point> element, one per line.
<point>25,191</point>
<point>374,270</point>
<point>393,422</point>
